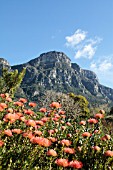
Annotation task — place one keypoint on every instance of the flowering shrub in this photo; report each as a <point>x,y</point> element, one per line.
<point>47,140</point>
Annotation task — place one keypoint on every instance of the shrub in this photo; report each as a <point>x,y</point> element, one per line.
<point>46,140</point>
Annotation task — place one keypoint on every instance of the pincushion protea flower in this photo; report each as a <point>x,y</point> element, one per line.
<point>62,162</point>
<point>76,164</point>
<point>51,152</point>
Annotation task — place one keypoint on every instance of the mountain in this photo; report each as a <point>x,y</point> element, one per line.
<point>54,71</point>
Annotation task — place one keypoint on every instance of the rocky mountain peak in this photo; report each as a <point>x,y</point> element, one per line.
<point>51,59</point>
<point>4,62</point>
<point>54,71</point>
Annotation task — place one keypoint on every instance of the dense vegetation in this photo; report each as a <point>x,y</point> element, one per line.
<point>63,134</point>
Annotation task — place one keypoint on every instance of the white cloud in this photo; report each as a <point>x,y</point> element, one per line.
<point>102,66</point>
<point>76,38</point>
<point>83,47</point>
<point>87,51</point>
<point>104,69</point>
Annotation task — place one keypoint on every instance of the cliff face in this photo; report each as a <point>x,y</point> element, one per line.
<point>3,63</point>
<point>54,71</point>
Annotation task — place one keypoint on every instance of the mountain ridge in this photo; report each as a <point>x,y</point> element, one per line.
<point>54,71</point>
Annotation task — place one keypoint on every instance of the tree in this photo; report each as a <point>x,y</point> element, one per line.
<point>11,80</point>
<point>74,105</point>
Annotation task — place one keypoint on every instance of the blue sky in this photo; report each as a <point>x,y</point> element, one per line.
<point>82,29</point>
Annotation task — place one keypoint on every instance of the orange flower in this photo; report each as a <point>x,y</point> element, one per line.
<point>2,95</point>
<point>18,103</point>
<point>39,122</point>
<point>23,100</point>
<point>43,110</point>
<point>1,143</point>
<point>51,152</point>
<point>8,99</point>
<point>31,123</point>
<point>76,164</point>
<point>56,130</point>
<point>19,114</point>
<point>1,108</point>
<point>92,121</point>
<point>99,116</point>
<point>86,134</point>
<point>8,132</point>
<point>51,131</point>
<point>3,105</point>
<point>63,127</point>
<point>62,162</point>
<point>61,112</point>
<point>28,112</point>
<point>38,132</point>
<point>11,117</point>
<point>106,137</point>
<point>96,132</point>
<point>63,116</point>
<point>69,135</point>
<point>32,104</point>
<point>41,141</point>
<point>18,131</point>
<point>10,110</point>
<point>108,153</point>
<point>69,150</point>
<point>55,105</point>
<point>96,148</point>
<point>65,142</point>
<point>23,119</point>
<point>83,122</point>
<point>53,139</point>
<point>44,119</point>
<point>68,124</point>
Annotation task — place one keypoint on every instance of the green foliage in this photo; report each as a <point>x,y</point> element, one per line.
<point>11,80</point>
<point>46,140</point>
<point>82,103</point>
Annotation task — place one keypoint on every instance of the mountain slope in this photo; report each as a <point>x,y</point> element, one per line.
<point>54,71</point>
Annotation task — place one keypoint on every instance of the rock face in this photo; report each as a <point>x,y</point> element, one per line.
<point>3,63</point>
<point>54,71</point>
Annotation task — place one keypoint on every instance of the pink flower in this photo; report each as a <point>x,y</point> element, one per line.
<point>18,103</point>
<point>18,131</point>
<point>69,150</point>
<point>76,164</point>
<point>43,110</point>
<point>23,100</point>
<point>52,152</point>
<point>8,132</point>
<point>86,134</point>
<point>65,142</point>
<point>96,148</point>
<point>41,141</point>
<point>108,153</point>
<point>32,104</point>
<point>1,143</point>
<point>38,132</point>
<point>28,112</point>
<point>61,112</point>
<point>62,162</point>
<point>55,105</point>
<point>31,123</point>
<point>99,116</point>
<point>92,121</point>
<point>83,122</point>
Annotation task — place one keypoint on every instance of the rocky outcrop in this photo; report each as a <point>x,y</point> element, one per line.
<point>54,71</point>
<point>4,64</point>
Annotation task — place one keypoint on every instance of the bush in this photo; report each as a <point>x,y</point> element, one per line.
<point>46,140</point>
